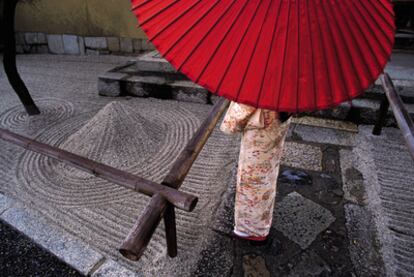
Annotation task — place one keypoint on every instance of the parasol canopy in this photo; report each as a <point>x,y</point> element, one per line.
<point>284,55</point>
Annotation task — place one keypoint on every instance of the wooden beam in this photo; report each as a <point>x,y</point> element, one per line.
<point>143,229</point>
<point>140,235</point>
<point>179,199</point>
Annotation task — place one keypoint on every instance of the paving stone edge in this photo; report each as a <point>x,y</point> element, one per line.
<point>366,165</point>
<point>64,246</point>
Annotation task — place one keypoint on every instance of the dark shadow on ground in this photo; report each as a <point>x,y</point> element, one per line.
<point>19,256</point>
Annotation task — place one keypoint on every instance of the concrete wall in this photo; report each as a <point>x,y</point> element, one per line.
<point>101,18</point>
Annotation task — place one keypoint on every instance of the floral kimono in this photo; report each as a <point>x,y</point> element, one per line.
<point>263,137</point>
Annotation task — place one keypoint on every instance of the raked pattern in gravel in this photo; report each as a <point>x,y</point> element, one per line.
<point>140,136</point>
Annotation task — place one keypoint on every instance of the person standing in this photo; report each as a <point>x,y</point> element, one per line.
<point>263,137</point>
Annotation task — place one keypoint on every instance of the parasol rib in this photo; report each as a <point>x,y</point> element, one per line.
<point>236,51</point>
<point>159,12</point>
<point>175,20</point>
<point>372,30</point>
<point>243,80</point>
<point>284,58</point>
<point>363,37</point>
<point>338,63</point>
<point>179,66</point>
<point>272,46</point>
<point>222,40</point>
<point>190,28</point>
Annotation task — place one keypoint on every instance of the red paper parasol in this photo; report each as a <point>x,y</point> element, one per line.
<point>285,55</point>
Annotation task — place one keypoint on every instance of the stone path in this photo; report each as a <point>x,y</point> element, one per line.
<point>335,215</point>
<point>351,217</point>
<point>309,235</point>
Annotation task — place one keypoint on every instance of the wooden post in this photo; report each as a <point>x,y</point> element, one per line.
<point>143,229</point>
<point>170,230</point>
<point>401,115</point>
<point>382,115</point>
<point>138,238</point>
<point>9,58</point>
<point>179,199</point>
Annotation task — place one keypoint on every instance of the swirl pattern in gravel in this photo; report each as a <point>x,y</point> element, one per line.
<point>140,136</point>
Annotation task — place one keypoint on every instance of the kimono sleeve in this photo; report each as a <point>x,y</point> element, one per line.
<point>236,118</point>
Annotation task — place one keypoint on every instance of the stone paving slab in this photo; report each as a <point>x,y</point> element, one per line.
<point>401,66</point>
<point>20,256</point>
<point>326,123</point>
<point>152,61</point>
<point>301,219</point>
<point>310,264</point>
<point>365,248</point>
<point>352,179</point>
<point>254,265</point>
<point>113,269</point>
<point>75,253</point>
<point>323,135</point>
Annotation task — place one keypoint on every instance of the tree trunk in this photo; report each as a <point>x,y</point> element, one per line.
<point>9,58</point>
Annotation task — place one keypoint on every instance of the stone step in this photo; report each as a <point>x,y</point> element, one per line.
<point>361,111</point>
<point>153,62</point>
<point>127,80</point>
<point>152,76</point>
<point>405,89</point>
